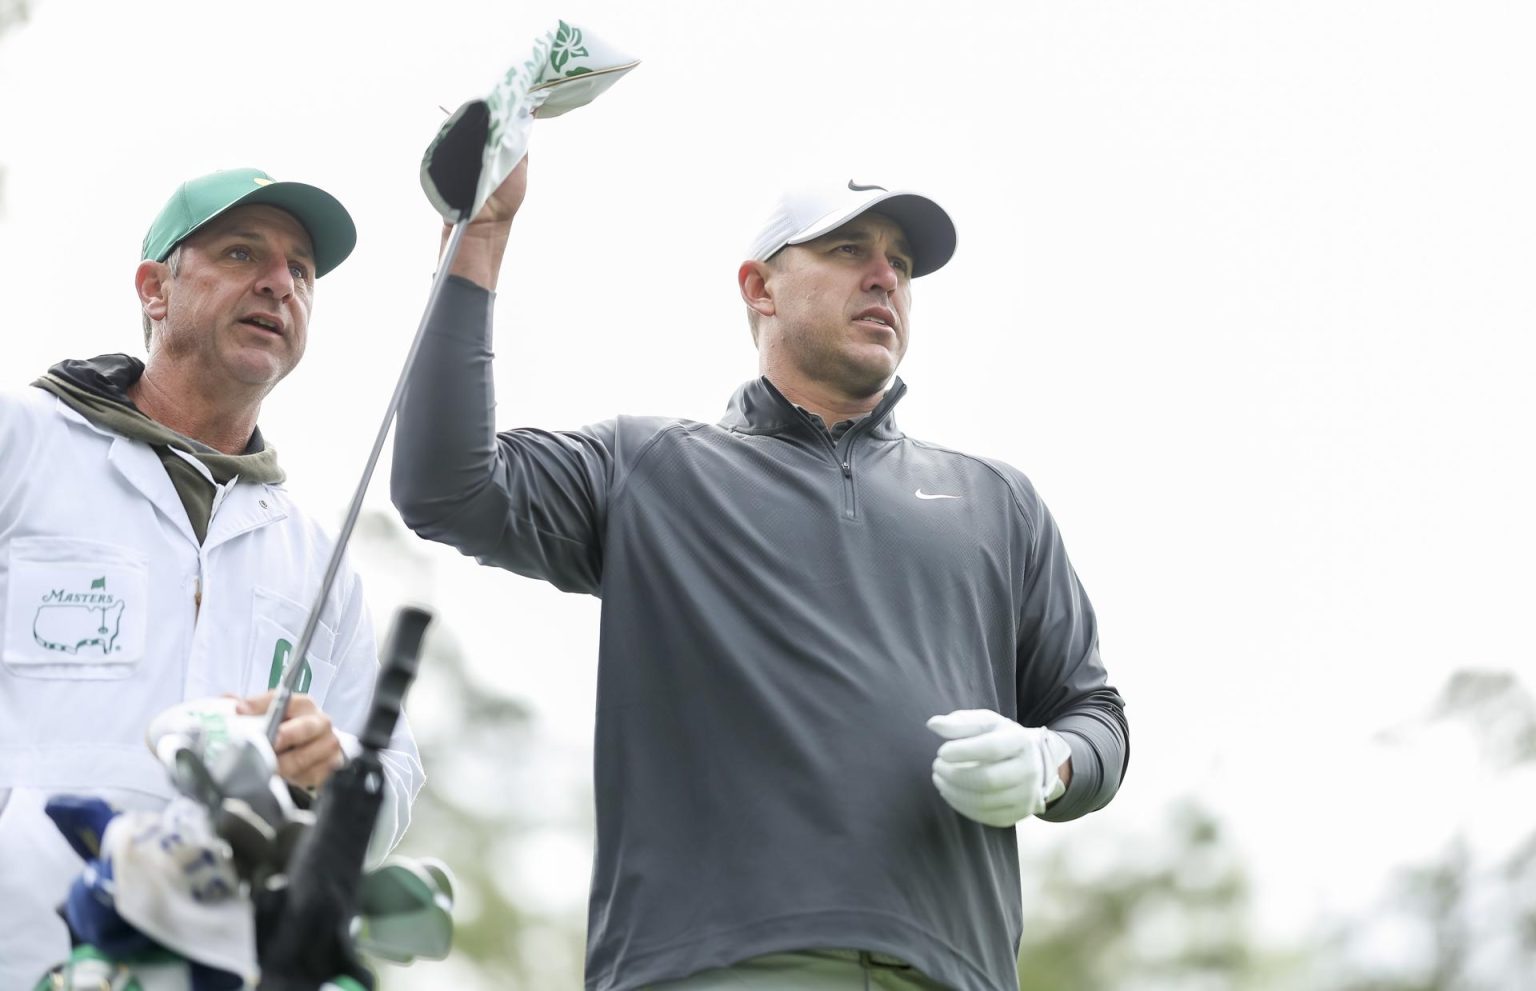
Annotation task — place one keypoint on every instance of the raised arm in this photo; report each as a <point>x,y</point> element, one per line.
<point>445,437</point>
<point>530,501</point>
<point>485,239</point>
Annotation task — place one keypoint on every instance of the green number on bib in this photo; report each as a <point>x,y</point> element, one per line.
<point>280,652</point>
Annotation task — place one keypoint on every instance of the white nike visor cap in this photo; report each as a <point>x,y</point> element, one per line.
<point>806,213</point>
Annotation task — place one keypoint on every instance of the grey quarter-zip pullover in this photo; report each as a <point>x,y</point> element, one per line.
<point>782,612</point>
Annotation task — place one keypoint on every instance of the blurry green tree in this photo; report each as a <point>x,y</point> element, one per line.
<point>1168,910</point>
<point>1171,910</point>
<point>1470,912</point>
<point>472,813</point>
<point>12,13</point>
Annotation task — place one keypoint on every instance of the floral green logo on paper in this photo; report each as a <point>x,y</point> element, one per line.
<point>214,728</point>
<point>70,621</point>
<point>512,89</point>
<point>567,45</point>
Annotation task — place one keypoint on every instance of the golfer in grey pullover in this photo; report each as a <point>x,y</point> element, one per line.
<point>801,605</point>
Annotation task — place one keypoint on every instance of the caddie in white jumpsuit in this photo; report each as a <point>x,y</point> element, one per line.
<point>149,552</point>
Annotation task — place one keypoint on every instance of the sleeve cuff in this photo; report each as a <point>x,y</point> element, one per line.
<point>1087,774</point>
<point>351,746</point>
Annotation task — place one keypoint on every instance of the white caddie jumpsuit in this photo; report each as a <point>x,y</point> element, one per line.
<point>111,611</point>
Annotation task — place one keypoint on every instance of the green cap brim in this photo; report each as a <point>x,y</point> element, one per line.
<point>198,201</point>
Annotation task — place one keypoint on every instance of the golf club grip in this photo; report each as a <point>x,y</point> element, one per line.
<point>305,939</point>
<point>397,669</point>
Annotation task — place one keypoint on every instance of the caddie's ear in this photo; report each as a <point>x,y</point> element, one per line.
<point>752,278</point>
<point>152,280</point>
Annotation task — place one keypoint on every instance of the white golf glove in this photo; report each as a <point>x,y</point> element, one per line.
<point>995,771</point>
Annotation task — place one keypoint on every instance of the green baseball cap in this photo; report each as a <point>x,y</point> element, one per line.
<point>199,200</point>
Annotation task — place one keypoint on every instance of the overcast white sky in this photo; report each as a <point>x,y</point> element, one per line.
<point>1244,287</point>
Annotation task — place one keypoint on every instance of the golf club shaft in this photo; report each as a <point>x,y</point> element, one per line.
<point>296,664</point>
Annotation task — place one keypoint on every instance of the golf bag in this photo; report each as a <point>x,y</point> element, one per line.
<point>238,884</point>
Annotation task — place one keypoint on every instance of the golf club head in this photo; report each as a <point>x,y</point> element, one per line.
<point>190,774</point>
<point>221,759</point>
<point>246,769</point>
<point>207,727</point>
<point>405,911</point>
<point>252,840</point>
<point>441,874</point>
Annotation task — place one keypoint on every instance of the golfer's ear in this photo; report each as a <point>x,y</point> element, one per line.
<point>152,279</point>
<point>752,278</point>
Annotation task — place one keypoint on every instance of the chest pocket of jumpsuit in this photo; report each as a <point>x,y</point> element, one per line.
<point>276,624</point>
<point>74,609</point>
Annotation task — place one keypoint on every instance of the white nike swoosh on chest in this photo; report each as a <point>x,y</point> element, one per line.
<point>936,495</point>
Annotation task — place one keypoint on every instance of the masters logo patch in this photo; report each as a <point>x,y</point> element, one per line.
<point>70,621</point>
<point>73,608</point>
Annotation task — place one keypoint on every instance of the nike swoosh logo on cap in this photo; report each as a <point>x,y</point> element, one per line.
<point>936,495</point>
<point>865,189</point>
